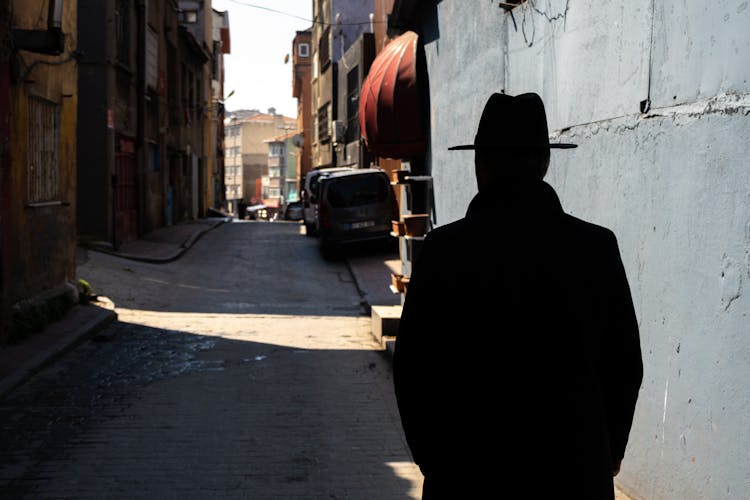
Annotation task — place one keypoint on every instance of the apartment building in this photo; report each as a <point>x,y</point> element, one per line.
<point>246,154</point>
<point>280,186</point>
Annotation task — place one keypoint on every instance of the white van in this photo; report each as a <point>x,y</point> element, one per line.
<point>310,196</point>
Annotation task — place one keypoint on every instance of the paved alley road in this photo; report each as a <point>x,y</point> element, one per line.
<point>245,369</point>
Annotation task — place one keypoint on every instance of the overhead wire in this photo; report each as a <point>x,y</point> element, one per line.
<point>313,21</point>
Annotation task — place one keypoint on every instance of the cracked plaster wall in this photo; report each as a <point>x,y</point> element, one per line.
<point>672,182</point>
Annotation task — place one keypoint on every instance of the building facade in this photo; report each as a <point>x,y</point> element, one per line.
<point>150,116</point>
<point>281,185</point>
<point>656,96</point>
<point>338,24</point>
<point>302,91</point>
<point>221,46</point>
<point>38,114</point>
<point>246,154</point>
<point>353,68</point>
<point>233,172</point>
<point>199,18</point>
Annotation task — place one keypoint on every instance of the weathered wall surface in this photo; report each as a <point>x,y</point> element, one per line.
<point>676,191</point>
<point>42,247</point>
<point>672,182</point>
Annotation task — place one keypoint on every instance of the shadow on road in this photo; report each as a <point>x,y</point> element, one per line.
<point>167,412</point>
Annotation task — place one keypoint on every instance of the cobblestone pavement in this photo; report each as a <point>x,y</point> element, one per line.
<point>245,369</point>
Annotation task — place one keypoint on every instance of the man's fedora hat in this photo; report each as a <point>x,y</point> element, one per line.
<point>513,122</point>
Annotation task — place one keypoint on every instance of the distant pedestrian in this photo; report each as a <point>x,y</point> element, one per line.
<point>517,363</point>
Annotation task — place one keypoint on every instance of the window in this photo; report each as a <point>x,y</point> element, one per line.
<point>276,149</point>
<point>352,105</point>
<point>198,102</point>
<point>324,133</point>
<point>43,151</point>
<point>154,157</point>
<point>216,63</point>
<point>324,49</point>
<point>358,190</point>
<point>303,50</point>
<point>122,31</point>
<point>189,16</point>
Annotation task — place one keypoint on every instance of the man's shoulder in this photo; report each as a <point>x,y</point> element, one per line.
<point>449,231</point>
<point>586,229</point>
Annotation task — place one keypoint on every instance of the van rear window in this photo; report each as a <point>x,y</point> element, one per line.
<point>357,190</point>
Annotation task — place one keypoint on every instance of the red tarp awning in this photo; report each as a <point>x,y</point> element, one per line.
<point>389,106</point>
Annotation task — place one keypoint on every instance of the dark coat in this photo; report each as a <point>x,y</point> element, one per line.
<point>517,362</point>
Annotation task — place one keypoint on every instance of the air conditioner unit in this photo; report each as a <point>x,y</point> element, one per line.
<point>337,131</point>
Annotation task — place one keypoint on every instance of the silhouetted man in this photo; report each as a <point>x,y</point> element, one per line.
<point>517,362</point>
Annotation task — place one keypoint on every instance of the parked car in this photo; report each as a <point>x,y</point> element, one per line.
<point>294,211</point>
<point>310,196</point>
<point>354,206</point>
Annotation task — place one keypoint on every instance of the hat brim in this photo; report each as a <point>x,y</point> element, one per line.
<point>556,145</point>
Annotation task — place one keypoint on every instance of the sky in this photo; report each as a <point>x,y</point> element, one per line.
<point>260,38</point>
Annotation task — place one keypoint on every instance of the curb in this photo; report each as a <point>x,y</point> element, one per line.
<point>199,234</point>
<point>358,285</point>
<point>179,252</point>
<point>389,343</point>
<point>42,349</point>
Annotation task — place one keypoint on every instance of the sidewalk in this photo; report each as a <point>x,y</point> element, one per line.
<point>164,244</point>
<point>372,275</point>
<point>19,362</point>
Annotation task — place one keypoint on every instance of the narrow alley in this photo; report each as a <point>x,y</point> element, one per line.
<point>244,369</point>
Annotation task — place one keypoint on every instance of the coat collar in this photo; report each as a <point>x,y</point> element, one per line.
<point>522,200</point>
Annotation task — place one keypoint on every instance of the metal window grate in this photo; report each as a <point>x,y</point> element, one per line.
<point>43,151</point>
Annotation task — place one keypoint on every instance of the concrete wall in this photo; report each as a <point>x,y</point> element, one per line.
<point>671,182</point>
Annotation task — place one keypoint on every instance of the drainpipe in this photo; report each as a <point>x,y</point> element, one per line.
<point>141,113</point>
<point>5,190</point>
<point>110,99</point>
<point>54,18</point>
